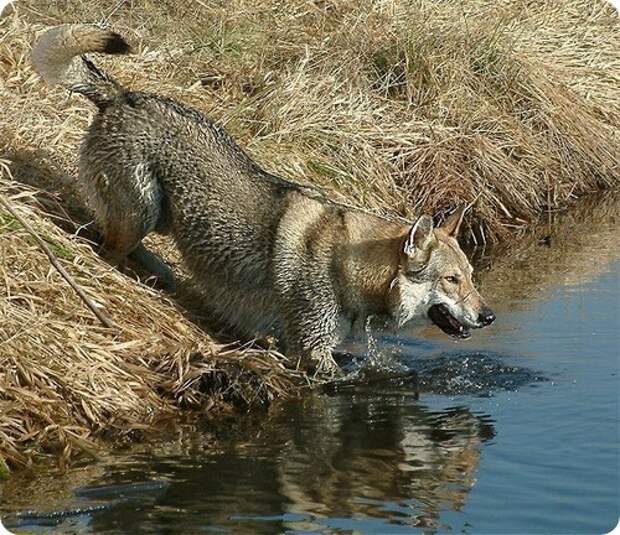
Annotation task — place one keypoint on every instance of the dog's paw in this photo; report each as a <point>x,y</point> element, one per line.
<point>322,367</point>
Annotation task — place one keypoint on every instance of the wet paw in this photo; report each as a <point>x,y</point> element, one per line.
<point>323,368</point>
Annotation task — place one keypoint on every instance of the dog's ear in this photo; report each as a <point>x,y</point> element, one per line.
<point>452,224</point>
<point>419,242</point>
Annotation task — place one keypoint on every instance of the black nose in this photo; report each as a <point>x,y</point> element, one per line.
<point>486,317</point>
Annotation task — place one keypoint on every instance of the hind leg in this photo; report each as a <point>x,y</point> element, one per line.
<point>126,200</point>
<point>123,236</point>
<point>155,265</point>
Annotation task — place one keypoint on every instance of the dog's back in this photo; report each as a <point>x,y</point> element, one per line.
<point>148,163</point>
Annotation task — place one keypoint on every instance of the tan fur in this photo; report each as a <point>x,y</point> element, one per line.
<point>270,254</point>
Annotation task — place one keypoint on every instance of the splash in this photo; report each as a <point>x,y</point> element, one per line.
<point>379,359</point>
<point>476,373</point>
<point>449,373</point>
<point>378,365</point>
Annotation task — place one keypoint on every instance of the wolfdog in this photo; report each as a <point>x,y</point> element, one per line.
<point>271,255</point>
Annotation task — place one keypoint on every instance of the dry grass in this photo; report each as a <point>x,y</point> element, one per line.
<point>64,378</point>
<point>399,106</point>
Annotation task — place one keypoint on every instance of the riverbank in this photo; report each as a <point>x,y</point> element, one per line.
<point>65,378</point>
<point>372,457</point>
<point>394,107</point>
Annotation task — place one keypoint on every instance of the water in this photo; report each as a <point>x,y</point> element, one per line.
<point>515,430</point>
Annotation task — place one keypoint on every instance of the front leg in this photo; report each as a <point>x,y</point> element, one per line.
<point>311,332</point>
<point>319,363</point>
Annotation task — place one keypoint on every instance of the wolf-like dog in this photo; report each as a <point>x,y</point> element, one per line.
<point>270,254</point>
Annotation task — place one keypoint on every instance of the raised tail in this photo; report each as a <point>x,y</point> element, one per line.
<point>57,57</point>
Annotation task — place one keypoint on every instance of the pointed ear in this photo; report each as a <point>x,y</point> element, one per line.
<point>452,224</point>
<point>420,237</point>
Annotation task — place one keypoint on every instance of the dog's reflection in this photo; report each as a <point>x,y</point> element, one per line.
<point>355,456</point>
<point>348,457</point>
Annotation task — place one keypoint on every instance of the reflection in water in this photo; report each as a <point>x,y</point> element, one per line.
<point>570,248</point>
<point>349,459</point>
<point>365,456</point>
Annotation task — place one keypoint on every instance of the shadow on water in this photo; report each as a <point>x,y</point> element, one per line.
<point>480,374</point>
<point>447,373</point>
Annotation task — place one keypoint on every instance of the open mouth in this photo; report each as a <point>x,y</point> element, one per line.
<point>440,316</point>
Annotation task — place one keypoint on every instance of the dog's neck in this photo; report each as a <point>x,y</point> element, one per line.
<point>370,260</point>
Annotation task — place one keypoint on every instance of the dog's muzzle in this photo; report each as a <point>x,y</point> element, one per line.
<point>440,315</point>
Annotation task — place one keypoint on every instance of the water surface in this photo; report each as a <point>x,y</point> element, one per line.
<point>515,430</point>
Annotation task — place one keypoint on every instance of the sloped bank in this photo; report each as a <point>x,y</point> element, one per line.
<point>66,380</point>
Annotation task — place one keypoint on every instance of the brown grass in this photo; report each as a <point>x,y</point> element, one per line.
<point>397,106</point>
<point>65,378</point>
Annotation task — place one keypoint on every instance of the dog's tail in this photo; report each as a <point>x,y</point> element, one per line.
<point>57,57</point>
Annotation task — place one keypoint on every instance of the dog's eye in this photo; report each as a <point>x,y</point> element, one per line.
<point>452,279</point>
